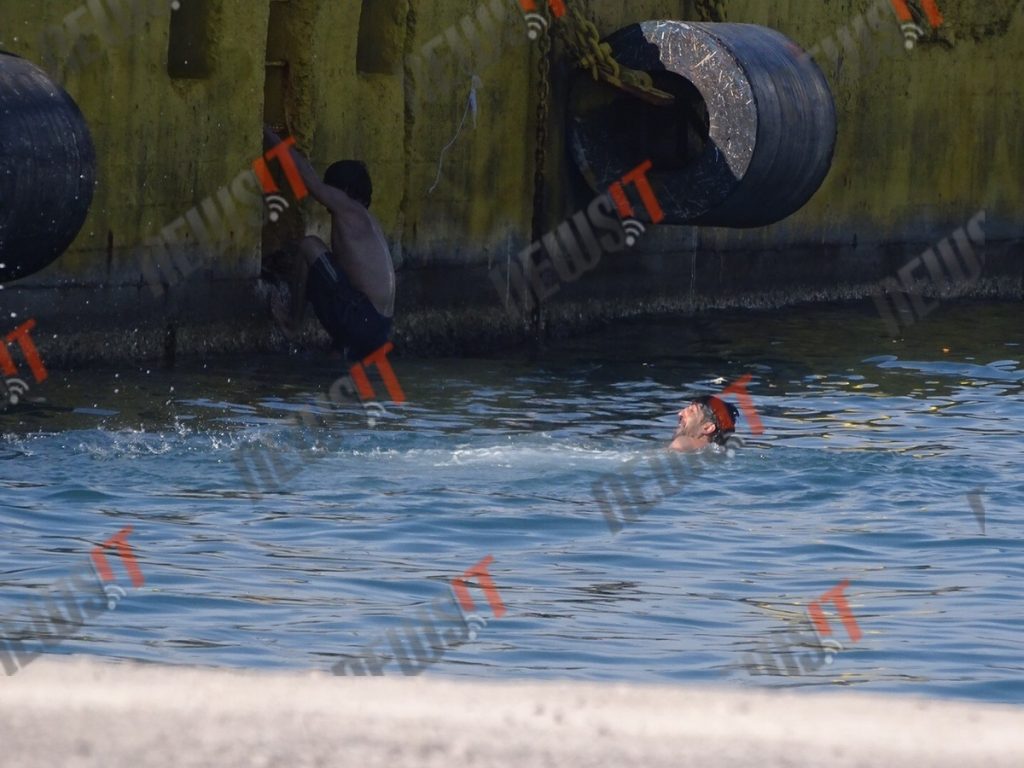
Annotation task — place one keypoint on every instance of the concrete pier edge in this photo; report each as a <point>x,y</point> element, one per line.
<point>82,712</point>
<point>440,316</point>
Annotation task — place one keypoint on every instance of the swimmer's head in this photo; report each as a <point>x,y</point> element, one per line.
<point>722,414</point>
<point>706,419</point>
<point>352,178</point>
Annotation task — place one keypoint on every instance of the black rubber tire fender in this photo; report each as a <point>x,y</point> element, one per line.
<point>748,142</point>
<point>47,169</point>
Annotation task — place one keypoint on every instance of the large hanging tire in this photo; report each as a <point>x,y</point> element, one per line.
<point>47,169</point>
<point>748,141</point>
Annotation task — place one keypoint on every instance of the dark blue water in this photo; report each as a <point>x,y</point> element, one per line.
<point>870,450</point>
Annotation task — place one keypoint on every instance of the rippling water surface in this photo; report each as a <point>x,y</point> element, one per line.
<point>870,453</point>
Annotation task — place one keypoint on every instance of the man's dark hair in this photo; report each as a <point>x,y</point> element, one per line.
<point>721,414</point>
<point>352,178</point>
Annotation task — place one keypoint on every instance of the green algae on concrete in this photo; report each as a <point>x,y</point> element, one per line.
<point>926,137</point>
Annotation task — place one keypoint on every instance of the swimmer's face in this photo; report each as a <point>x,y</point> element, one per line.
<point>693,422</point>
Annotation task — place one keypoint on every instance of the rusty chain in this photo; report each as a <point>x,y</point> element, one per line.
<point>580,35</point>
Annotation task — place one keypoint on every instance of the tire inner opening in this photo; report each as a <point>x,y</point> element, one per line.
<point>674,136</point>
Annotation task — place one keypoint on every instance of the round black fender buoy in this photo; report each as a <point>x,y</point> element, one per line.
<point>47,168</point>
<point>747,142</point>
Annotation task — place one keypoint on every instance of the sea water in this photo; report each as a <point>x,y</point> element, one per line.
<point>889,468</point>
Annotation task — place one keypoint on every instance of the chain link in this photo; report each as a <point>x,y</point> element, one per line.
<point>580,35</point>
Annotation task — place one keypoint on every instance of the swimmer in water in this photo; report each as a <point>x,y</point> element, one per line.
<point>351,283</point>
<point>704,421</point>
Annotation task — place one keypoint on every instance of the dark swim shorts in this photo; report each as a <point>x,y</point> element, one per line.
<point>349,317</point>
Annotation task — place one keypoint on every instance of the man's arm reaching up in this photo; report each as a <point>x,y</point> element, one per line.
<point>332,198</point>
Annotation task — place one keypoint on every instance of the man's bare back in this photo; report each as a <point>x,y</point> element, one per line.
<point>360,249</point>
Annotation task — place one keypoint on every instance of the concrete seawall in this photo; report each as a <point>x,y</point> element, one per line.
<point>926,138</point>
<point>83,713</point>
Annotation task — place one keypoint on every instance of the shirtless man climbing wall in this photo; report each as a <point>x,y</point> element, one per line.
<point>350,284</point>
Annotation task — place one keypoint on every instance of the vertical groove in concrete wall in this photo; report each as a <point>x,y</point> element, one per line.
<point>408,120</point>
<point>188,54</point>
<point>379,51</point>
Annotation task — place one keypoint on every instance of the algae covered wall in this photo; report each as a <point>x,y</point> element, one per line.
<point>926,138</point>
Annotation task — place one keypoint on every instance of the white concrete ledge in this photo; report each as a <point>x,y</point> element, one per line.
<point>75,713</point>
